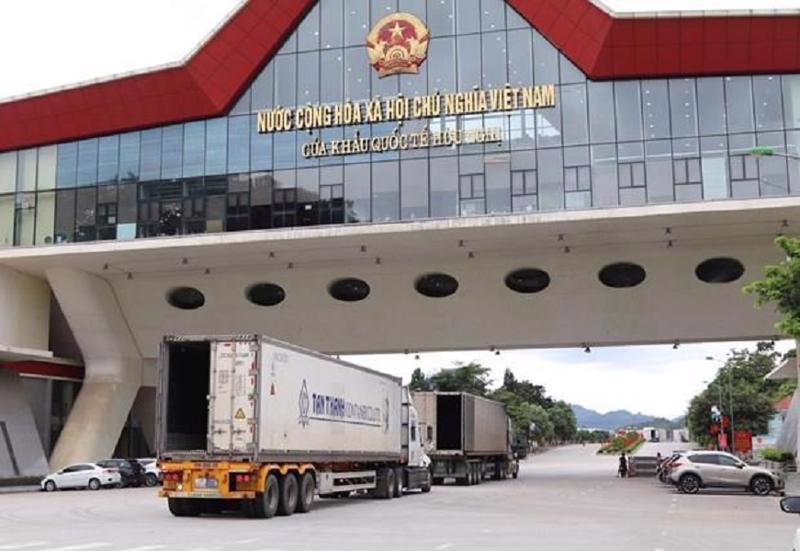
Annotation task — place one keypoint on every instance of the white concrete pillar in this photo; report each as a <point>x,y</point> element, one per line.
<point>113,366</point>
<point>25,307</point>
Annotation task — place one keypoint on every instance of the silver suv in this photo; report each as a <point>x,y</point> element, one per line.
<point>712,469</point>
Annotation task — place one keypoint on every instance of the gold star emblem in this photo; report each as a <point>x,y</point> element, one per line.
<point>397,30</point>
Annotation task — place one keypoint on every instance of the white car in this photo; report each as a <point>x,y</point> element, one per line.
<point>152,474</point>
<point>81,475</point>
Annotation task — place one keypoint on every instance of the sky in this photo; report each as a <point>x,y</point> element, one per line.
<point>51,43</point>
<point>655,380</point>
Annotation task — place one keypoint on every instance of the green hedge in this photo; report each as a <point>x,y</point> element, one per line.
<point>774,454</point>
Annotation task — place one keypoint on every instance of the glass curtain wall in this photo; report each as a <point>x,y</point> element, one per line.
<point>604,144</point>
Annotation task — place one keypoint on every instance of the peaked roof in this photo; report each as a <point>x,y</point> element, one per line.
<point>207,83</point>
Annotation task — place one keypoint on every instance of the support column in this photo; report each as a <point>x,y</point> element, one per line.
<point>112,361</point>
<point>25,305</point>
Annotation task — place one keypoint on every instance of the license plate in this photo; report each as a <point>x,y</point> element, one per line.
<point>205,483</point>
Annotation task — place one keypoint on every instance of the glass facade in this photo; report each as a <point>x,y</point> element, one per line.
<point>604,144</point>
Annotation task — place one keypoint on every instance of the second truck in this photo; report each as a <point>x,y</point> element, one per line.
<point>467,437</point>
<point>249,423</point>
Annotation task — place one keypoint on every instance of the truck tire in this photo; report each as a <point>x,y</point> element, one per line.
<point>429,480</point>
<point>289,493</point>
<point>181,507</point>
<point>479,473</point>
<point>266,502</point>
<point>498,471</point>
<point>305,499</point>
<point>398,482</point>
<point>385,484</point>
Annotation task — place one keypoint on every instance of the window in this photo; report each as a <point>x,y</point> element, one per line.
<point>331,204</point>
<point>577,178</point>
<point>743,167</point>
<point>705,459</point>
<point>687,171</point>
<point>172,152</point>
<point>727,461</point>
<point>108,163</point>
<point>67,164</point>
<point>87,162</point>
<point>472,193</point>
<point>632,174</point>
<point>151,155</point>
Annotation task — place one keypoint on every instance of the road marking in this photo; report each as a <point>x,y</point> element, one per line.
<point>444,546</point>
<point>81,546</point>
<point>244,542</point>
<point>145,548</point>
<point>26,545</point>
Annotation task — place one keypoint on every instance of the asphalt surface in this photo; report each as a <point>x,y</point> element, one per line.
<point>565,499</point>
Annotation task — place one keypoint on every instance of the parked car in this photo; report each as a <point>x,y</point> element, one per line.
<point>708,469</point>
<point>131,471</point>
<point>82,475</point>
<point>152,474</point>
<point>792,505</point>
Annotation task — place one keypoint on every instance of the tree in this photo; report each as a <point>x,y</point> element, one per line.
<point>526,390</point>
<point>565,427</point>
<point>471,377</point>
<point>781,286</point>
<point>419,381</point>
<point>739,382</point>
<point>523,414</point>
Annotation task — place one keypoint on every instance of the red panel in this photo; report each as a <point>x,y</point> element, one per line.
<point>207,85</point>
<point>45,369</point>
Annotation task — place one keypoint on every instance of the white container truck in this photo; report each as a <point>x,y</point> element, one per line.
<point>247,422</point>
<point>467,437</point>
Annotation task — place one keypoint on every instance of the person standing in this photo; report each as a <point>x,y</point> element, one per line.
<point>623,466</point>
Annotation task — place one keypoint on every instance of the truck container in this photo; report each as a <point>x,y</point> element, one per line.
<point>251,423</point>
<point>468,438</point>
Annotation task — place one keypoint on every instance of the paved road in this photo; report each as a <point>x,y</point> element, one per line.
<point>565,499</point>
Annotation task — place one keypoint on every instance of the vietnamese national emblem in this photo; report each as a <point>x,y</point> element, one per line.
<point>398,43</point>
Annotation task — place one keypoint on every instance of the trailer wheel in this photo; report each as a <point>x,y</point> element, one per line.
<point>398,482</point>
<point>266,503</point>
<point>386,484</point>
<point>181,507</point>
<point>287,502</point>
<point>306,497</point>
<point>426,486</point>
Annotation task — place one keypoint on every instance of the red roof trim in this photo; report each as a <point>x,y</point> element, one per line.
<point>213,78</point>
<point>45,369</point>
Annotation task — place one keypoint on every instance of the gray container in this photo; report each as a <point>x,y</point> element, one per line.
<point>457,423</point>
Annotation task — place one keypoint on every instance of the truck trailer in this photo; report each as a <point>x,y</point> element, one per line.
<point>249,423</point>
<point>468,438</point>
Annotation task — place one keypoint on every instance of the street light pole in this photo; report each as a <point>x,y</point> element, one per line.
<point>730,398</point>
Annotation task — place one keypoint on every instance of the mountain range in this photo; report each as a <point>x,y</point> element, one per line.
<point>589,418</point>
